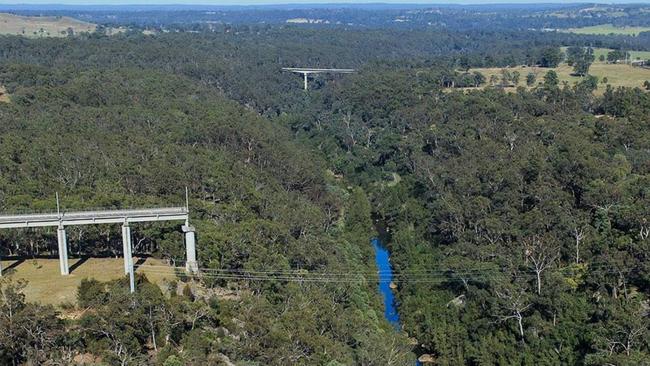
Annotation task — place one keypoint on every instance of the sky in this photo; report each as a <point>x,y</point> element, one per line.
<point>268,2</point>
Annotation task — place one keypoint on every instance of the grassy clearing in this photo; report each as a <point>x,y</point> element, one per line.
<point>635,55</point>
<point>42,26</point>
<point>617,74</point>
<point>47,286</point>
<point>4,97</point>
<point>605,29</point>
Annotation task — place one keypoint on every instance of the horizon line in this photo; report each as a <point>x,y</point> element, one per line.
<point>263,3</point>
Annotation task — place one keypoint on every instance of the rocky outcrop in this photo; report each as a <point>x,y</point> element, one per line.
<point>427,359</point>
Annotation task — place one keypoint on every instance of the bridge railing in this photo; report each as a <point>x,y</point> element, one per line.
<point>47,211</point>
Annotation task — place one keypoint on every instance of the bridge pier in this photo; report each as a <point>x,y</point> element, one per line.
<point>191,265</point>
<point>63,251</point>
<point>126,243</point>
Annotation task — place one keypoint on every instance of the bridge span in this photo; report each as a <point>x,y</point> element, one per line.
<point>97,217</point>
<point>305,71</point>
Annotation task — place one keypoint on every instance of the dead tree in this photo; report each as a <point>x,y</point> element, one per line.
<point>578,235</point>
<point>540,255</point>
<point>514,304</point>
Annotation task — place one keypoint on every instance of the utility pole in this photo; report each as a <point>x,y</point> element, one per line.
<point>187,200</point>
<point>58,206</point>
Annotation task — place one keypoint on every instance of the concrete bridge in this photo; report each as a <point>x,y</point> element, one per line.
<point>124,217</point>
<point>306,71</point>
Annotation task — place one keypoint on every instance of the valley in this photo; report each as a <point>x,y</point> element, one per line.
<point>512,202</point>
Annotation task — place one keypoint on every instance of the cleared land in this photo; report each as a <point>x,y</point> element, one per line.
<point>42,26</point>
<point>616,74</point>
<point>609,29</point>
<point>46,285</point>
<point>635,55</point>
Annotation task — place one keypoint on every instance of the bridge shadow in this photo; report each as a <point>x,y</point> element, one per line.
<point>18,260</point>
<point>15,264</point>
<point>78,263</point>
<point>28,256</point>
<point>139,262</point>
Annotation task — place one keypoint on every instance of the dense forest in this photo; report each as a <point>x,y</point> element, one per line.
<point>133,137</point>
<point>517,221</point>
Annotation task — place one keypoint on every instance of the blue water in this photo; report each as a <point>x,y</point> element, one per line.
<point>382,258</point>
<point>385,278</point>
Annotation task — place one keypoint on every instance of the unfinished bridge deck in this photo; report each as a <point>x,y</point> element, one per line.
<point>93,217</point>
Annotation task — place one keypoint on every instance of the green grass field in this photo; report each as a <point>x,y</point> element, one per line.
<point>617,74</point>
<point>42,26</point>
<point>605,29</point>
<point>46,285</point>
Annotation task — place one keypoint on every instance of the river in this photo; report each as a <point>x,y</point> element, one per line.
<point>382,258</point>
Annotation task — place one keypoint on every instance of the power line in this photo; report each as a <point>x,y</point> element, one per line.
<point>394,273</point>
<point>353,277</point>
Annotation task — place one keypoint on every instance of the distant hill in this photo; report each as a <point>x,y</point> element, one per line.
<point>403,15</point>
<point>46,26</point>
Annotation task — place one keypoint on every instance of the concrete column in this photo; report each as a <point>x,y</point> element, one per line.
<point>190,249</point>
<point>131,278</point>
<point>126,244</point>
<point>63,251</point>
